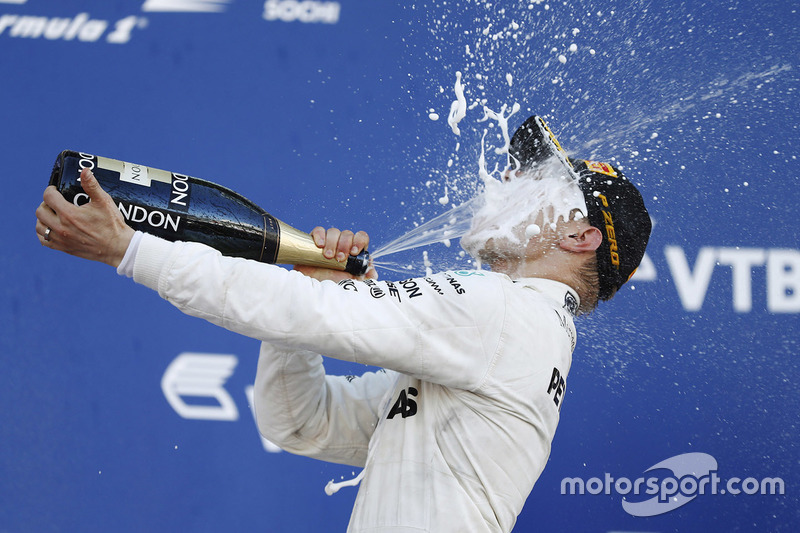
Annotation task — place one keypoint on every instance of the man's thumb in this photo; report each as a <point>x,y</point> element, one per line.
<point>90,185</point>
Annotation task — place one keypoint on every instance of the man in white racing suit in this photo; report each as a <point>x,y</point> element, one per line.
<point>454,431</point>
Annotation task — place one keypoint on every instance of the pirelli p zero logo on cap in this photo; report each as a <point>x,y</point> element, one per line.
<point>610,233</point>
<point>602,168</point>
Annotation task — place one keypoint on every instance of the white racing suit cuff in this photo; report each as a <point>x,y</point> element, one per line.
<point>125,268</point>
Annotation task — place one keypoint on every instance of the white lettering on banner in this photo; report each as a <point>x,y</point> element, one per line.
<point>783,281</point>
<point>306,11</point>
<point>741,262</point>
<point>203,375</point>
<point>646,270</point>
<point>200,375</point>
<point>186,6</point>
<point>782,273</point>
<point>123,29</point>
<point>691,287</point>
<point>82,27</point>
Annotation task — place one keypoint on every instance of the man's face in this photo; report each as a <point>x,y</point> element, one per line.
<point>531,241</point>
<point>520,215</point>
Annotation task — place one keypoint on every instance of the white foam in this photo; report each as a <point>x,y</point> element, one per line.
<point>333,487</point>
<point>532,230</point>
<point>458,109</point>
<point>502,121</point>
<point>513,211</point>
<point>444,200</point>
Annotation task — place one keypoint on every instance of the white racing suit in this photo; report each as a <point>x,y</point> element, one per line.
<point>456,430</point>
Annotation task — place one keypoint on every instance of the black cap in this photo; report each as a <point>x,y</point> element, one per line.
<point>533,142</point>
<point>614,204</point>
<point>615,207</point>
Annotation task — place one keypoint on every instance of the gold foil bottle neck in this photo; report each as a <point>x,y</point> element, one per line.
<point>298,248</point>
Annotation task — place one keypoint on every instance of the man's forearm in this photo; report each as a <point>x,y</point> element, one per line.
<point>401,327</point>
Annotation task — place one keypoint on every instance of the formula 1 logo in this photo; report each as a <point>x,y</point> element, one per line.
<point>186,6</point>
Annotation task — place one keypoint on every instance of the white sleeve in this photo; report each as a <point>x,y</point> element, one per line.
<point>305,412</point>
<point>125,267</point>
<point>438,329</point>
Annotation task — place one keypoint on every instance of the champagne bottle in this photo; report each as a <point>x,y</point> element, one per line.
<point>179,207</point>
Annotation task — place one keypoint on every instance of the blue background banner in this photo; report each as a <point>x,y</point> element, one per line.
<point>335,114</point>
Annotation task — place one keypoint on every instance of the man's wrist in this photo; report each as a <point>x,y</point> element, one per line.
<point>120,246</point>
<point>126,263</point>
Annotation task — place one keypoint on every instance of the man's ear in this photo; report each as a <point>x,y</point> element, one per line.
<point>587,239</point>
